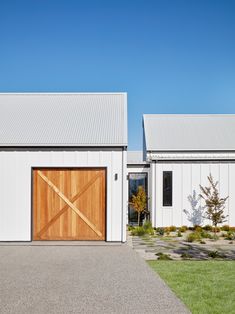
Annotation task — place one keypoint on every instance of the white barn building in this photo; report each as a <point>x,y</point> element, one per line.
<point>63,166</point>
<point>182,151</point>
<point>65,173</point>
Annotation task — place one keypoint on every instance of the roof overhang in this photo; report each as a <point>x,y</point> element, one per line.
<point>178,156</point>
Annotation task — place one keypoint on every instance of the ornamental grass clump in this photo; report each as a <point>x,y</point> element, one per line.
<point>225,228</point>
<point>215,254</point>
<point>179,234</point>
<point>208,228</point>
<point>230,236</point>
<point>143,230</point>
<point>194,236</point>
<point>138,231</point>
<point>183,229</point>
<point>172,228</point>
<point>160,231</point>
<point>147,226</point>
<point>163,257</point>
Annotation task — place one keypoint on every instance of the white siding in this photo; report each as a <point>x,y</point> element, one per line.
<point>156,193</point>
<point>186,185</point>
<point>16,188</point>
<point>186,179</point>
<point>125,194</point>
<point>231,200</point>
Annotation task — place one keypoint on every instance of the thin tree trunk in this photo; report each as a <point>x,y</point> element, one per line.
<point>215,230</point>
<point>138,218</point>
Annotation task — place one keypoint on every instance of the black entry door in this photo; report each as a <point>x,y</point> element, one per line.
<point>135,180</point>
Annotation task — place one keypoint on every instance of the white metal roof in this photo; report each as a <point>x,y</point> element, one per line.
<point>135,158</point>
<point>63,119</point>
<point>180,132</point>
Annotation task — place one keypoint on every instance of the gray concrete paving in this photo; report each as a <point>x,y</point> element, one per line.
<point>81,279</point>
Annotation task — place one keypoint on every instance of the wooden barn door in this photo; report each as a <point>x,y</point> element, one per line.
<point>69,204</point>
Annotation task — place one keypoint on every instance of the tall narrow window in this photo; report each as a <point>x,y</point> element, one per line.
<point>136,180</point>
<point>167,188</point>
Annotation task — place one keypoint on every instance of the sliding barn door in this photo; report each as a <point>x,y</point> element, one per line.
<point>69,204</point>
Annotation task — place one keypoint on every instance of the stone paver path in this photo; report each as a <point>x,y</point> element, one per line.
<point>147,247</point>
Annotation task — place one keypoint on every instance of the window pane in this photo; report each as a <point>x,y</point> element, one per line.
<point>136,180</point>
<point>167,188</point>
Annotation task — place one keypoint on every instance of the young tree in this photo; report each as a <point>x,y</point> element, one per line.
<point>139,202</point>
<point>214,204</point>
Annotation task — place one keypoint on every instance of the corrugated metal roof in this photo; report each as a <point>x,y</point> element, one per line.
<point>180,132</point>
<point>135,158</point>
<point>63,119</point>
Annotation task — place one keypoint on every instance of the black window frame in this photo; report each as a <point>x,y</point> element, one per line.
<point>145,173</point>
<point>167,196</point>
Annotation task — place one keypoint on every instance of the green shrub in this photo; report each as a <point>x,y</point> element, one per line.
<point>167,230</point>
<point>207,227</point>
<point>186,255</point>
<point>206,235</point>
<point>194,236</point>
<point>150,231</point>
<point>215,254</point>
<point>225,228</point>
<point>183,229</point>
<point>216,229</point>
<point>160,231</point>
<point>130,228</point>
<point>138,231</point>
<point>198,229</point>
<point>163,257</point>
<point>232,229</point>
<point>230,236</point>
<point>147,226</point>
<point>172,228</point>
<point>142,230</point>
<point>179,234</point>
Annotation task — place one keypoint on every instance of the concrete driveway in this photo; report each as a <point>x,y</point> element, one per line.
<point>80,279</point>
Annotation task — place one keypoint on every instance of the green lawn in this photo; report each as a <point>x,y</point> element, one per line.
<point>206,287</point>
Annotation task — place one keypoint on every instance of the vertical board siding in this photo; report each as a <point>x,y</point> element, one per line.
<point>116,221</point>
<point>186,179</point>
<point>232,194</point>
<point>16,188</point>
<point>124,194</point>
<point>186,185</point>
<point>224,183</point>
<point>153,191</point>
<point>177,195</point>
<point>156,183</point>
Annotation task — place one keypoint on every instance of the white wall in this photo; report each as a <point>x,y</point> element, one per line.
<point>186,178</point>
<point>15,188</point>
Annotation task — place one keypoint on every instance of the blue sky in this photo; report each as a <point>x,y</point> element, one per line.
<point>170,56</point>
